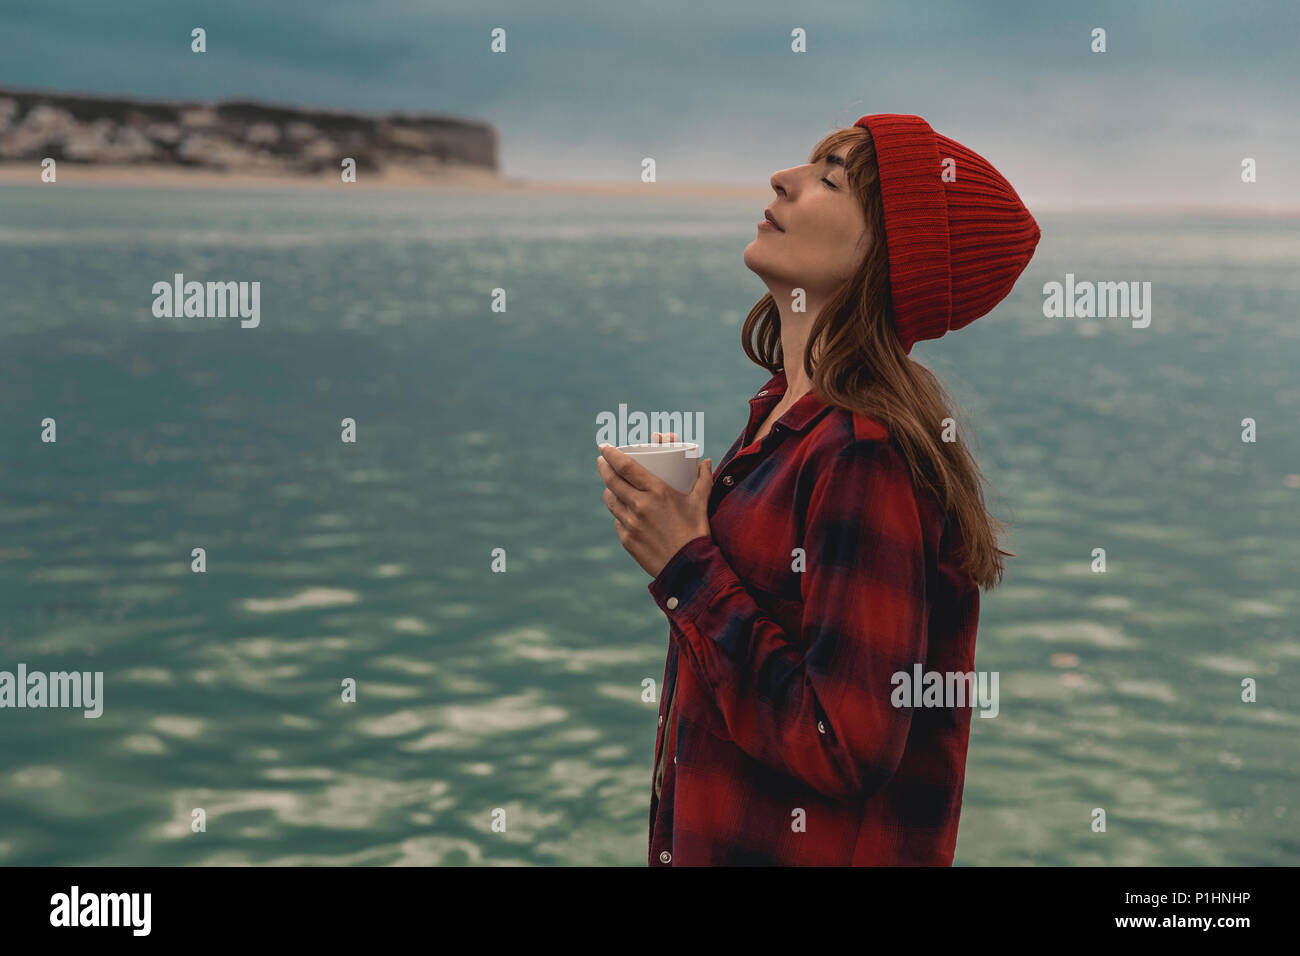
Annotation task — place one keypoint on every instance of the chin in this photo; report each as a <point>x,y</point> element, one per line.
<point>753,258</point>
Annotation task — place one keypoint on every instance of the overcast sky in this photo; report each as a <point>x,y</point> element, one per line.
<point>712,91</point>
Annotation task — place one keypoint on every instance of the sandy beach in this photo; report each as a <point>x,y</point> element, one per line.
<point>393,178</point>
<point>399,178</point>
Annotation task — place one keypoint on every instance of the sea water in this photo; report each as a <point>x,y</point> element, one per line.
<point>456,565</point>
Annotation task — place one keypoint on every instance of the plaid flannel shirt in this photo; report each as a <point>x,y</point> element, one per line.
<point>778,743</point>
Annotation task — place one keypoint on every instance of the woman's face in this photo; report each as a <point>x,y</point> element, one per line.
<point>823,232</point>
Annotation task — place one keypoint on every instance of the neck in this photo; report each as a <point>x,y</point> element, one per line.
<point>794,339</point>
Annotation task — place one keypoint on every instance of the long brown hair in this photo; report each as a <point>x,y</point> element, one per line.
<point>860,366</point>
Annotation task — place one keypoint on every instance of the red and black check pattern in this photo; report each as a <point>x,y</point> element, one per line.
<point>824,575</point>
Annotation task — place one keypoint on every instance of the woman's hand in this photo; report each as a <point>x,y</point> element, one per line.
<point>653,520</point>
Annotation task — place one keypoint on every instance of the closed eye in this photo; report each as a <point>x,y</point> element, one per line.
<point>829,183</point>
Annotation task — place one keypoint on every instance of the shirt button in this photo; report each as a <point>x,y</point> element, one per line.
<point>665,857</point>
<point>661,720</point>
<point>821,728</point>
<point>763,392</point>
<point>728,480</point>
<point>671,602</point>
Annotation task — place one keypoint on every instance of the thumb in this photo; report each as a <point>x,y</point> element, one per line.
<point>706,473</point>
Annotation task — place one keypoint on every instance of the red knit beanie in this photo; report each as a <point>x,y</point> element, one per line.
<point>955,248</point>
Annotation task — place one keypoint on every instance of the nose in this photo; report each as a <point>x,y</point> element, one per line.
<point>783,180</point>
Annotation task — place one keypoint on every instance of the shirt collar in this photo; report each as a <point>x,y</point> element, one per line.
<point>798,416</point>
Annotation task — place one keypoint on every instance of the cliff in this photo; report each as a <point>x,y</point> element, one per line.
<point>234,135</point>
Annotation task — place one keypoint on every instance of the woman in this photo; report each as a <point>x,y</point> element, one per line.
<point>843,540</point>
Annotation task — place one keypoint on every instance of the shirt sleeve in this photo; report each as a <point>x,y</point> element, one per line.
<point>817,708</point>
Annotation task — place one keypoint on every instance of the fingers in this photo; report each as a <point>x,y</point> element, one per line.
<point>665,437</point>
<point>703,475</point>
<point>622,514</point>
<point>620,467</point>
<point>619,495</point>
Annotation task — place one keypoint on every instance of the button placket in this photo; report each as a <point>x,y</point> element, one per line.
<point>662,742</point>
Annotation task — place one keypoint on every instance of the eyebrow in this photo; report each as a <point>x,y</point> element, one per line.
<point>834,160</point>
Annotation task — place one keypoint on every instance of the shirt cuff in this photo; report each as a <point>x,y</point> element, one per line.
<point>689,578</point>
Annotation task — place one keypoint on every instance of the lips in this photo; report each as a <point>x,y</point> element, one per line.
<point>767,214</point>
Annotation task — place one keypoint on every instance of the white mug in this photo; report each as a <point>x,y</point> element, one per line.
<point>676,462</point>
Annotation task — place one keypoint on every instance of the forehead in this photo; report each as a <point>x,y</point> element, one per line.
<point>833,151</point>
